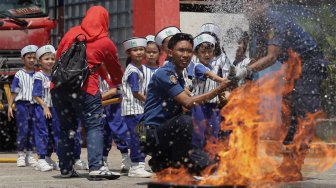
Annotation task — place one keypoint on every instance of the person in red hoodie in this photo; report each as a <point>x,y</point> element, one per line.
<point>87,105</point>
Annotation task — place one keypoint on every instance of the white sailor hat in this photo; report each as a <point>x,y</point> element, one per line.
<point>150,38</point>
<point>28,49</point>
<point>199,39</point>
<point>212,28</point>
<point>45,49</point>
<point>166,32</point>
<point>134,42</point>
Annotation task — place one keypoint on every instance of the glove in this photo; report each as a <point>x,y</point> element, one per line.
<point>241,73</point>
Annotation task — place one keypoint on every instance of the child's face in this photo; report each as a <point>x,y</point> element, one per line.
<point>205,53</point>
<point>152,54</point>
<point>136,54</point>
<point>29,60</point>
<point>47,61</point>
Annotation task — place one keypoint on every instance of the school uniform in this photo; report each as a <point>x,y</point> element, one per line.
<point>114,126</point>
<point>148,73</point>
<point>46,130</point>
<point>206,116</point>
<point>132,108</point>
<point>22,84</point>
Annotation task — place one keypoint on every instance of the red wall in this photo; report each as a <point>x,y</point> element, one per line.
<point>150,16</point>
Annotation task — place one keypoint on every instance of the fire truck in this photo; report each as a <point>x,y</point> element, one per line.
<point>22,22</point>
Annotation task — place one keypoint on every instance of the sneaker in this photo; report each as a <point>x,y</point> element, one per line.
<point>103,173</point>
<point>138,170</point>
<point>80,165</point>
<point>125,163</point>
<point>43,166</point>
<point>30,160</point>
<point>21,160</point>
<point>106,163</point>
<point>71,174</point>
<point>52,163</point>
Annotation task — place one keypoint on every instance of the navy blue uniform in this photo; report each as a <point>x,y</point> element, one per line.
<point>169,131</point>
<point>282,31</point>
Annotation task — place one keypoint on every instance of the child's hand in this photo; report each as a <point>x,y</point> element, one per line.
<point>46,112</point>
<point>10,113</point>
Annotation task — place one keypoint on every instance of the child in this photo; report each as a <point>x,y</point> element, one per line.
<point>206,116</point>
<point>133,101</point>
<point>21,91</point>
<point>222,64</point>
<point>114,128</point>
<point>47,125</point>
<point>153,53</point>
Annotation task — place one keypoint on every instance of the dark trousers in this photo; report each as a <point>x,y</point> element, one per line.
<point>170,145</point>
<point>115,129</point>
<point>89,110</point>
<point>25,125</point>
<point>305,97</point>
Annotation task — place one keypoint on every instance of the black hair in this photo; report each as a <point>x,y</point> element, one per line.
<point>180,37</point>
<point>207,45</point>
<point>128,61</point>
<point>152,42</point>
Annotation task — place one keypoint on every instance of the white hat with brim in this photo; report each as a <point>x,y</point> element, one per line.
<point>212,28</point>
<point>28,49</point>
<point>150,38</point>
<point>166,32</point>
<point>45,49</point>
<point>204,38</point>
<point>134,42</point>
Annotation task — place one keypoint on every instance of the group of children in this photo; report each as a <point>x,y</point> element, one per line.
<point>208,68</point>
<point>36,118</point>
<point>37,122</point>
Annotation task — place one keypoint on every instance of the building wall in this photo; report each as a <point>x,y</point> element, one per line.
<point>231,26</point>
<point>120,19</point>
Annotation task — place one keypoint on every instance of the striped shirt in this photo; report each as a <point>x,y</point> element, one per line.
<point>221,66</point>
<point>103,85</point>
<point>41,87</point>
<point>148,73</point>
<point>202,84</point>
<point>22,84</point>
<point>130,105</point>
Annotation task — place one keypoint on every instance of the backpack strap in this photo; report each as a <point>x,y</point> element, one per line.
<point>94,68</point>
<point>78,38</point>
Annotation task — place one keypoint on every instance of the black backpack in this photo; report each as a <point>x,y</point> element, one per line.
<point>71,71</point>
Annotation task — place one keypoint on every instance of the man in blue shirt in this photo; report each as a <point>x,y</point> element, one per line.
<point>279,34</point>
<point>168,131</point>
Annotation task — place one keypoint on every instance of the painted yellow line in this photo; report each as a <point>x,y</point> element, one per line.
<point>7,160</point>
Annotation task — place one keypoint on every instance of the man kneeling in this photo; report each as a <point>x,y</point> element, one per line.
<point>165,132</point>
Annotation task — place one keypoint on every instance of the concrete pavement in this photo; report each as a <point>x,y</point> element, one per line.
<point>25,177</point>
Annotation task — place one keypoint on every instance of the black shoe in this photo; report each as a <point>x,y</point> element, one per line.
<point>70,174</point>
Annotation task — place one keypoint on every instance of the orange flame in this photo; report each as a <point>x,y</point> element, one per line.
<point>258,118</point>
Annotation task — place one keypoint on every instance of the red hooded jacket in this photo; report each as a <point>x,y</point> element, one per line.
<point>99,48</point>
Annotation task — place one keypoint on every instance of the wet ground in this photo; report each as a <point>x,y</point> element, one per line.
<point>12,176</point>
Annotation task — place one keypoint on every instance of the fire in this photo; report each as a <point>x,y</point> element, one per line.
<point>254,153</point>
